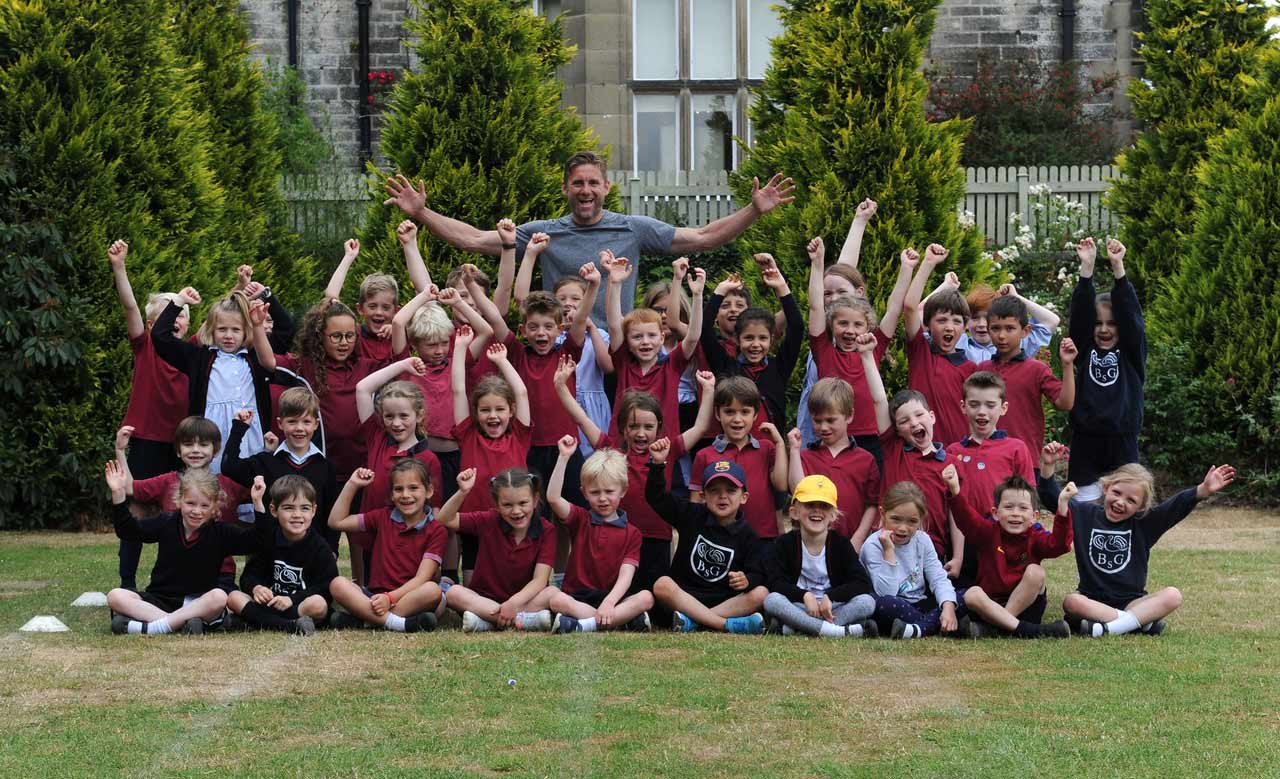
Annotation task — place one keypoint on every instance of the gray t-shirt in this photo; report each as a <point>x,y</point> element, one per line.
<point>917,566</point>
<point>572,245</point>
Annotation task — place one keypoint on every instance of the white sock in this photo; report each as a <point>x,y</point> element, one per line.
<point>588,625</point>
<point>395,622</point>
<point>853,631</point>
<point>912,631</point>
<point>158,627</point>
<point>135,627</point>
<point>831,630</point>
<point>1124,622</point>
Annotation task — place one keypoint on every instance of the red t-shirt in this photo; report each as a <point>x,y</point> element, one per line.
<point>158,398</point>
<point>1025,381</point>
<point>639,512</point>
<point>371,347</point>
<point>855,475</point>
<point>489,456</point>
<point>662,380</point>
<point>437,389</point>
<point>830,361</point>
<point>538,371</point>
<point>756,461</point>
<point>982,465</point>
<point>343,436</point>
<point>504,567</point>
<point>600,549</point>
<point>383,456</point>
<point>160,489</point>
<point>925,469</point>
<point>399,549</point>
<point>940,377</point>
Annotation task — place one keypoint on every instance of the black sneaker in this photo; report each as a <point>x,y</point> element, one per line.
<point>870,629</point>
<point>119,624</point>
<point>962,628</point>
<point>194,627</point>
<point>899,629</point>
<point>420,623</point>
<point>304,626</point>
<point>1057,629</point>
<point>638,623</point>
<point>341,620</point>
<point>980,629</point>
<point>1086,628</point>
<point>1155,628</point>
<point>234,623</point>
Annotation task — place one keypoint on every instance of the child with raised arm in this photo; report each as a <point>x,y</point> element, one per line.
<point>817,585</point>
<point>183,592</point>
<point>297,454</point>
<point>911,454</point>
<point>717,574</point>
<point>753,339</point>
<point>1114,536</point>
<point>838,457</point>
<point>636,344</point>
<point>408,546</point>
<point>1107,415</point>
<point>285,585</point>
<point>639,425</point>
<point>378,300</point>
<point>393,414</point>
<point>935,367</point>
<point>764,460</point>
<point>1026,379</point>
<point>511,585</point>
<point>600,591</point>
<point>833,333</point>
<point>987,455</point>
<point>1009,594</point>
<point>976,342</point>
<point>229,369</point>
<point>914,595</point>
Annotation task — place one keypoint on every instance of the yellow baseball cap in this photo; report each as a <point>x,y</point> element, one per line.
<point>815,489</point>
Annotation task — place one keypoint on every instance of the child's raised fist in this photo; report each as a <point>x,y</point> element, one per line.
<point>507,231</point>
<point>1087,252</point>
<point>122,437</point>
<point>951,280</point>
<point>731,282</point>
<point>771,430</point>
<point>417,367</point>
<point>1067,351</point>
<point>680,267</point>
<point>245,415</point>
<point>449,296</point>
<point>659,449</point>
<point>469,271</point>
<point>116,252</point>
<point>407,232</point>
<point>361,477</point>
<point>257,313</point>
<point>910,257</point>
<point>589,273</point>
<point>244,275</point>
<point>537,242</point>
<point>773,279</point>
<point>497,352</point>
<point>258,489</point>
<point>1115,250</point>
<point>352,248</point>
<point>565,369</point>
<point>795,439</point>
<point>706,381</point>
<point>866,210</point>
<point>935,253</point>
<point>1069,491</point>
<point>270,442</point>
<point>697,281</point>
<point>866,342</point>
<point>189,297</point>
<point>816,249</point>
<point>567,445</point>
<point>765,261</point>
<point>952,477</point>
<point>466,480</point>
<point>1053,452</point>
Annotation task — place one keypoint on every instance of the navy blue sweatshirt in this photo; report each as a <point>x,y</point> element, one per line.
<point>772,379</point>
<point>707,550</point>
<point>295,569</point>
<point>1108,381</point>
<point>1111,557</point>
<point>186,566</point>
<point>316,469</point>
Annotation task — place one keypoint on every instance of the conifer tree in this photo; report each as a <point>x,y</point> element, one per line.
<point>480,121</point>
<point>842,112</point>
<point>1202,61</point>
<point>98,123</point>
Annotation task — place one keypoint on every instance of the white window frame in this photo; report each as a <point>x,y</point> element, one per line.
<point>635,37</point>
<point>693,127</point>
<point>635,128</point>
<point>733,47</point>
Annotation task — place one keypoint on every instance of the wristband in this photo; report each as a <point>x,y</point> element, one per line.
<point>391,597</point>
<point>508,246</point>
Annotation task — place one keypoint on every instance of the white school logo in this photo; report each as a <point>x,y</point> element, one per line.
<point>287,579</point>
<point>710,561</point>
<point>1104,370</point>
<point>1109,550</point>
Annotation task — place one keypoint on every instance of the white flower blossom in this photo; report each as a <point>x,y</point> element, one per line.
<point>1039,189</point>
<point>966,219</point>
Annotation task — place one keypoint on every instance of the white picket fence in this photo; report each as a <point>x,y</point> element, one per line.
<point>333,205</point>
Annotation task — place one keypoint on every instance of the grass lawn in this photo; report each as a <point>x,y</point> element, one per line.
<point>1202,700</point>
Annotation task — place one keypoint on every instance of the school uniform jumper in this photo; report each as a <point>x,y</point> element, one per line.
<point>912,589</point>
<point>295,569</point>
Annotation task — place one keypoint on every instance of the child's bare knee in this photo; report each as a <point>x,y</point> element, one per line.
<point>645,599</point>
<point>1074,603</point>
<point>974,595</point>
<point>217,599</point>
<point>757,595</point>
<point>665,587</point>
<point>1172,597</point>
<point>118,597</point>
<point>313,607</point>
<point>1034,575</point>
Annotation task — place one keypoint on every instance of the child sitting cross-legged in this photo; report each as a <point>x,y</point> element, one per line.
<point>408,546</point>
<point>511,584</point>
<point>717,574</point>
<point>183,591</point>
<point>1115,536</point>
<point>817,584</point>
<point>600,590</point>
<point>285,586</point>
<point>1009,594</point>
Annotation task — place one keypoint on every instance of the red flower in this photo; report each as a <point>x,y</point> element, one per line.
<point>370,99</point>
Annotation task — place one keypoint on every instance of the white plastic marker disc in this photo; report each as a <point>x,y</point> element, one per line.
<point>44,624</point>
<point>90,599</point>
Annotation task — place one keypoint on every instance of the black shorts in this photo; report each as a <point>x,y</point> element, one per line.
<point>1033,613</point>
<point>655,562</point>
<point>1115,602</point>
<point>594,598</point>
<point>450,467</point>
<point>1094,456</point>
<point>708,598</point>
<point>166,603</point>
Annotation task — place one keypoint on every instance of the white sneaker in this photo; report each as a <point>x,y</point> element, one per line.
<point>472,623</point>
<point>534,621</point>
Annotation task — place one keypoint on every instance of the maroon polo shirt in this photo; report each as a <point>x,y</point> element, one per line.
<point>662,381</point>
<point>903,462</point>
<point>538,371</point>
<point>600,549</point>
<point>848,366</point>
<point>489,456</point>
<point>855,475</point>
<point>504,567</point>
<point>437,389</point>
<point>343,435</point>
<point>756,459</point>
<point>383,456</point>
<point>940,378</point>
<point>982,465</point>
<point>158,398</point>
<point>371,347</point>
<point>1025,382</point>
<point>399,549</point>
<point>639,513</point>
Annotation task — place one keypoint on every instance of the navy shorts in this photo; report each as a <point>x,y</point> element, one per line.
<point>1033,613</point>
